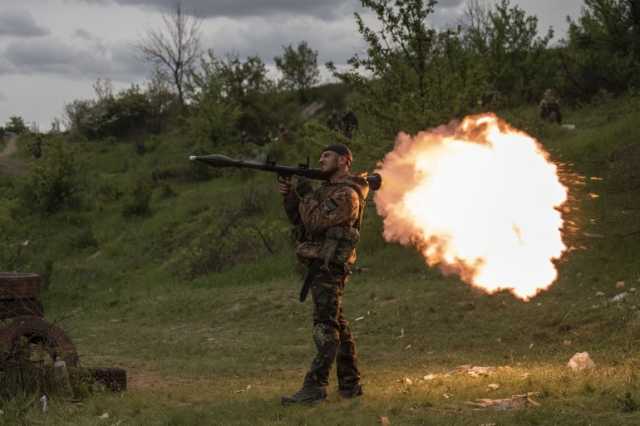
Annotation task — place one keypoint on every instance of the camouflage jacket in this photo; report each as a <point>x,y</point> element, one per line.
<point>328,219</point>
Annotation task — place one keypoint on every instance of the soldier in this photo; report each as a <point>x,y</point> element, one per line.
<point>349,124</point>
<point>328,220</point>
<point>333,122</point>
<point>550,107</point>
<point>36,147</point>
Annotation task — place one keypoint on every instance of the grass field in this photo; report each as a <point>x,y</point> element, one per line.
<point>221,348</point>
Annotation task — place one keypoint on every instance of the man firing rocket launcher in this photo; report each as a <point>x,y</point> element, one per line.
<point>328,219</point>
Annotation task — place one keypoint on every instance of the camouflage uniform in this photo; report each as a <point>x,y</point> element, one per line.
<point>349,124</point>
<point>328,221</point>
<point>333,122</point>
<point>550,107</point>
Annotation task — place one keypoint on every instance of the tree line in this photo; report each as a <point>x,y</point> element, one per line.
<point>411,76</point>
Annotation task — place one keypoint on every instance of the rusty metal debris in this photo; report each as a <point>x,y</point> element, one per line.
<point>28,340</point>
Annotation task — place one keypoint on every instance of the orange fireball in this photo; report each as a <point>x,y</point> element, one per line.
<point>477,198</point>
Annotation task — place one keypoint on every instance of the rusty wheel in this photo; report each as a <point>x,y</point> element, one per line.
<point>34,339</point>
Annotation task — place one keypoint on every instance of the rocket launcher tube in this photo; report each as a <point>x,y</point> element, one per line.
<point>217,160</point>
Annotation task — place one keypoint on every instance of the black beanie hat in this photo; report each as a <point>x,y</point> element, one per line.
<point>340,149</point>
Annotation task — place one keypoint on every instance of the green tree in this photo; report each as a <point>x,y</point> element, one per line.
<point>214,113</point>
<point>243,80</point>
<point>243,85</point>
<point>505,40</point>
<point>410,71</point>
<point>16,125</point>
<point>54,182</point>
<point>299,68</point>
<point>603,48</point>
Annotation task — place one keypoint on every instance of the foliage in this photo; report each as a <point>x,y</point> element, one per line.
<point>414,76</point>
<point>410,70</point>
<point>603,49</point>
<point>222,235</point>
<point>162,103</point>
<point>16,125</point>
<point>138,201</point>
<point>55,180</point>
<point>505,41</point>
<point>128,112</point>
<point>83,238</point>
<point>216,95</point>
<point>299,68</point>
<point>241,80</point>
<point>234,102</point>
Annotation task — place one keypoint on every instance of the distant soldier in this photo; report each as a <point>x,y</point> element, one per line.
<point>349,124</point>
<point>36,147</point>
<point>244,138</point>
<point>283,134</point>
<point>328,220</point>
<point>333,122</point>
<point>550,107</point>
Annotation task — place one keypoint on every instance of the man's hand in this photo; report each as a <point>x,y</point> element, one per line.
<point>284,184</point>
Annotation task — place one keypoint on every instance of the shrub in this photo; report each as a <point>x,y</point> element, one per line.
<point>139,200</point>
<point>83,238</point>
<point>108,191</point>
<point>54,182</point>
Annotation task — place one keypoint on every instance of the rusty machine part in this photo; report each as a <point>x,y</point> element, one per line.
<point>114,379</point>
<point>26,336</point>
<point>26,332</point>
<point>19,295</point>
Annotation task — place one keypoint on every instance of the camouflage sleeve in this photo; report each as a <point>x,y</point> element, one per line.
<point>291,202</point>
<point>340,209</point>
<point>301,188</point>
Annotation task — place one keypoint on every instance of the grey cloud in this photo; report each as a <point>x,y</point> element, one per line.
<point>54,57</point>
<point>20,23</point>
<point>83,34</point>
<point>334,40</point>
<point>96,41</point>
<point>2,97</point>
<point>323,9</point>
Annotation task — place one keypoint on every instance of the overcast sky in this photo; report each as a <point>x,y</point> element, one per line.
<point>52,51</point>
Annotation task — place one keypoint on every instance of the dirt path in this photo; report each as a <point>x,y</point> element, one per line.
<point>10,166</point>
<point>10,148</point>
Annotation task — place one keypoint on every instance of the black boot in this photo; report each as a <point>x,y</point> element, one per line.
<point>351,392</point>
<point>309,394</point>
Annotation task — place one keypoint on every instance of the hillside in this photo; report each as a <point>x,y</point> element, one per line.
<point>195,294</point>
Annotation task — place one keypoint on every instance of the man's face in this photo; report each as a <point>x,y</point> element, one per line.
<point>329,162</point>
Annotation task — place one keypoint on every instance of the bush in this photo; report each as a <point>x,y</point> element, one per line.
<point>108,191</point>
<point>128,112</point>
<point>139,200</point>
<point>83,238</point>
<point>603,49</point>
<point>240,233</point>
<point>54,182</point>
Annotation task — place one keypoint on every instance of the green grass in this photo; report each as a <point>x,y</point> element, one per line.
<point>221,348</point>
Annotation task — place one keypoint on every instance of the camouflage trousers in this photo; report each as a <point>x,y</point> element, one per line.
<point>331,334</point>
